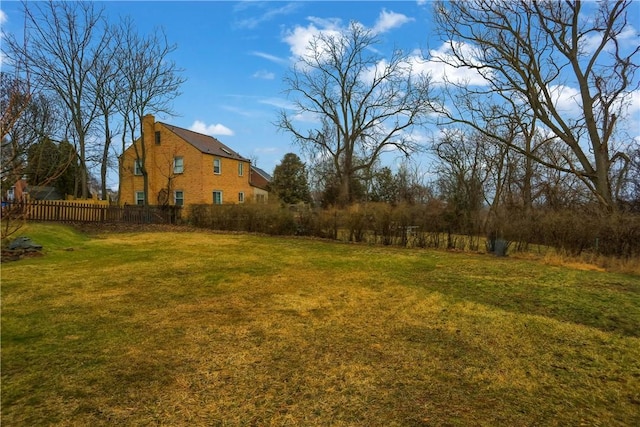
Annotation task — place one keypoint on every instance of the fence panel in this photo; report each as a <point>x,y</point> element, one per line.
<point>66,211</point>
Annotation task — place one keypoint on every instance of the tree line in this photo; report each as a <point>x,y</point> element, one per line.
<point>77,81</point>
<point>504,143</point>
<point>507,129</point>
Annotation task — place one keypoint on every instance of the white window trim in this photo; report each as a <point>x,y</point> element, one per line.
<point>241,197</point>
<point>175,197</point>
<point>139,199</point>
<point>175,166</point>
<point>214,197</point>
<point>240,169</point>
<point>219,160</point>
<point>137,167</point>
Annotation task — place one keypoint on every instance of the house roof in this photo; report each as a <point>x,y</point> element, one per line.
<point>40,192</point>
<point>262,172</point>
<point>205,143</point>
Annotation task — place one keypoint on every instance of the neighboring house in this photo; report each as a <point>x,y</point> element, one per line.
<point>260,182</point>
<point>183,167</point>
<point>22,191</point>
<point>42,192</point>
<point>17,192</point>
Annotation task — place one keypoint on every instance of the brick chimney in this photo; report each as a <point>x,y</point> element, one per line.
<point>148,127</point>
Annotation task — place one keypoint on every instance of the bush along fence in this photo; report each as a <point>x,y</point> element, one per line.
<point>67,211</point>
<point>432,226</point>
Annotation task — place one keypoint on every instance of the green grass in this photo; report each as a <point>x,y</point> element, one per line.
<point>188,328</point>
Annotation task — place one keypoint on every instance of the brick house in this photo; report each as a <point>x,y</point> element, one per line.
<point>184,167</point>
<point>260,181</point>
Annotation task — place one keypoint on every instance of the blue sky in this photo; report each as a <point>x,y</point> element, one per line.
<point>235,54</point>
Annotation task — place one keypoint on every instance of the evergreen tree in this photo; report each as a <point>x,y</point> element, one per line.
<point>290,182</point>
<point>54,165</point>
<point>43,160</point>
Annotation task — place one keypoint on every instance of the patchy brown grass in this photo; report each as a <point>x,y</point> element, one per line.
<point>191,328</point>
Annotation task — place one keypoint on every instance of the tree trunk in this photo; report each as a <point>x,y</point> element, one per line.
<point>83,169</point>
<point>105,157</point>
<point>602,183</point>
<point>344,197</point>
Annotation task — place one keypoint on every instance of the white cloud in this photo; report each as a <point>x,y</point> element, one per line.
<point>441,64</point>
<point>263,74</point>
<point>270,57</point>
<point>306,117</point>
<point>300,38</point>
<point>565,99</point>
<point>212,130</point>
<point>278,103</point>
<point>3,17</point>
<point>634,105</point>
<point>627,40</point>
<point>239,111</point>
<point>326,23</point>
<point>268,15</point>
<point>632,115</point>
<point>389,20</point>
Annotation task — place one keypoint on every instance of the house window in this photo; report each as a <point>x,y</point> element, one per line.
<point>241,197</point>
<point>217,169</point>
<point>137,167</point>
<point>260,198</point>
<point>217,197</point>
<point>178,165</point>
<point>157,137</point>
<point>11,194</point>
<point>178,198</point>
<point>139,197</point>
<point>240,169</point>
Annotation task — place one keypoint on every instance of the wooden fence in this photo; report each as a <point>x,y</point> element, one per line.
<point>67,211</point>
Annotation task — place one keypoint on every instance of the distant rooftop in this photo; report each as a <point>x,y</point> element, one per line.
<point>262,172</point>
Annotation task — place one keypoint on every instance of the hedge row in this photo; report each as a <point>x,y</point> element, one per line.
<point>432,226</point>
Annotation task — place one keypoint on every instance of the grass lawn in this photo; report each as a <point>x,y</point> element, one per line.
<point>198,328</point>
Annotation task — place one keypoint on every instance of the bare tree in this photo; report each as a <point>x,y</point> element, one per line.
<point>365,104</point>
<point>29,121</point>
<point>462,177</point>
<point>151,82</point>
<point>15,98</point>
<point>106,86</point>
<point>64,41</point>
<point>529,53</point>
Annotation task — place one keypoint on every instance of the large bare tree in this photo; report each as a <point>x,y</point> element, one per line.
<point>364,103</point>
<point>151,82</point>
<point>63,41</point>
<point>106,87</point>
<point>531,55</point>
<point>15,99</point>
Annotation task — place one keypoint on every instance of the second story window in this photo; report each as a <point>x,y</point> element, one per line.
<point>178,165</point>
<point>217,168</point>
<point>240,169</point>
<point>137,167</point>
<point>157,137</point>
